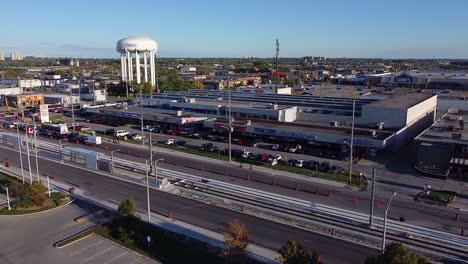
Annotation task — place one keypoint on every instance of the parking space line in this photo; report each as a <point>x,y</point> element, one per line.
<point>134,261</point>
<point>116,257</point>
<point>98,254</point>
<point>83,249</point>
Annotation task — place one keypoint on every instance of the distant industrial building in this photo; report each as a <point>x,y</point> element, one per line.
<point>23,83</point>
<point>442,149</point>
<point>265,89</point>
<point>65,87</point>
<point>91,94</point>
<point>188,69</point>
<point>16,56</point>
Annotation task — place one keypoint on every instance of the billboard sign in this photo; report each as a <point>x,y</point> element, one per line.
<point>44,113</point>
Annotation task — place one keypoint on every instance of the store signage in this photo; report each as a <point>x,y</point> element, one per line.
<point>239,128</point>
<point>404,78</point>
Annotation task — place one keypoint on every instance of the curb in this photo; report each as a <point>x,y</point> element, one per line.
<point>72,236</point>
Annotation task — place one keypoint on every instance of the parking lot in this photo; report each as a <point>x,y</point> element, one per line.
<point>96,250</point>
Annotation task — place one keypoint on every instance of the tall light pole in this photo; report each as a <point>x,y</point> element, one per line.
<point>230,123</point>
<point>73,110</point>
<point>147,191</point>
<point>351,144</point>
<point>277,61</point>
<point>385,222</point>
<point>35,146</point>
<point>156,168</point>
<point>20,148</point>
<point>141,113</point>
<point>372,197</point>
<point>27,148</point>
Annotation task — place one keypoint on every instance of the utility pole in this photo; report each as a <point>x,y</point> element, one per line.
<point>8,198</point>
<point>35,147</point>
<point>48,185</point>
<point>372,197</point>
<point>385,222</point>
<point>351,145</point>
<point>27,148</point>
<point>141,113</point>
<point>20,148</point>
<point>150,145</point>
<point>230,123</point>
<point>277,61</point>
<point>147,192</point>
<point>73,110</point>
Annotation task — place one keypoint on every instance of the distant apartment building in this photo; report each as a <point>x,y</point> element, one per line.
<point>2,56</point>
<point>16,56</point>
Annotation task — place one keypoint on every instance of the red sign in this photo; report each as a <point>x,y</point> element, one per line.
<point>240,128</point>
<point>29,130</point>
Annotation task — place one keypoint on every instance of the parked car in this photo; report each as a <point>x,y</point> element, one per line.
<point>277,157</point>
<point>262,157</point>
<point>300,163</point>
<point>295,148</point>
<point>170,141</point>
<point>311,164</point>
<point>246,154</point>
<point>275,147</point>
<point>212,137</point>
<point>213,149</point>
<point>236,152</point>
<point>291,162</point>
<point>135,137</point>
<point>181,142</point>
<point>121,133</point>
<point>69,114</point>
<point>324,166</point>
<point>109,131</point>
<point>206,146</point>
<point>335,169</point>
<point>255,143</point>
<point>85,128</point>
<point>148,128</point>
<point>195,136</point>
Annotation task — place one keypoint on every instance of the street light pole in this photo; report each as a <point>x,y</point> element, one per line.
<point>230,124</point>
<point>372,198</point>
<point>73,110</point>
<point>385,222</point>
<point>27,149</point>
<point>112,158</point>
<point>35,147</point>
<point>20,147</point>
<point>156,168</point>
<point>351,145</point>
<point>48,185</point>
<point>147,192</point>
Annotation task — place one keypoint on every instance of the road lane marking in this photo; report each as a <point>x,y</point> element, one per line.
<point>116,257</point>
<point>98,254</point>
<point>83,249</point>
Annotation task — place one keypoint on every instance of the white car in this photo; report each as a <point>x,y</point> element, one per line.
<point>276,157</point>
<point>275,147</point>
<point>121,133</point>
<point>170,141</point>
<point>293,149</point>
<point>135,137</point>
<point>246,154</point>
<point>300,163</point>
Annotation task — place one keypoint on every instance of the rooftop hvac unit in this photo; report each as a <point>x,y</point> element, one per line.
<point>248,122</point>
<point>373,133</point>
<point>456,135</point>
<point>273,106</point>
<point>380,125</point>
<point>334,123</point>
<point>178,113</point>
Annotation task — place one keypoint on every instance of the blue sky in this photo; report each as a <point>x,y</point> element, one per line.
<point>239,28</point>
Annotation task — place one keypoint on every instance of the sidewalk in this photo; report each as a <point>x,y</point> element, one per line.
<point>213,238</point>
<point>272,172</point>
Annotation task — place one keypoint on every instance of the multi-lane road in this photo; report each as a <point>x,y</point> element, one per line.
<point>263,232</point>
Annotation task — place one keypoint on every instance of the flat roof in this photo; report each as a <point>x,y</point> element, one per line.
<point>444,129</point>
<point>402,101</point>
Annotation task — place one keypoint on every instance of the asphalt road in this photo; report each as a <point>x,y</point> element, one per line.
<point>262,232</point>
<point>403,205</point>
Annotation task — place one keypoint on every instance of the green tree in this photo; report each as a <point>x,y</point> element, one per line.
<point>145,87</point>
<point>127,208</point>
<point>294,253</point>
<point>198,85</point>
<point>35,192</point>
<point>236,235</point>
<point>396,253</point>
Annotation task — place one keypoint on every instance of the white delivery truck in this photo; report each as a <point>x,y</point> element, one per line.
<point>93,139</point>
